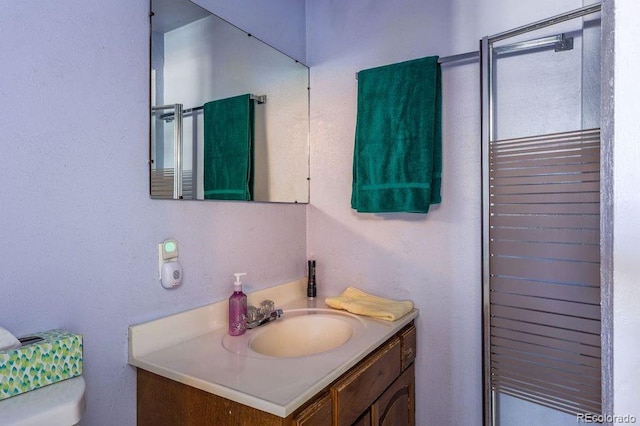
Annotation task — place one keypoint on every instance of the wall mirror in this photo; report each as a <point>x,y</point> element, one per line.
<point>229,113</point>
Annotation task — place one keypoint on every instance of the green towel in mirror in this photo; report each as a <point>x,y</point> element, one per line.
<point>397,164</point>
<point>228,148</point>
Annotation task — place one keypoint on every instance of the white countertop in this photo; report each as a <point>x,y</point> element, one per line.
<point>187,347</point>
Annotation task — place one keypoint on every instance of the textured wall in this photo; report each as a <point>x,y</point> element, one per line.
<point>434,259</point>
<point>78,228</point>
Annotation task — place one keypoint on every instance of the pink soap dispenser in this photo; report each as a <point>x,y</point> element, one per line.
<point>238,308</point>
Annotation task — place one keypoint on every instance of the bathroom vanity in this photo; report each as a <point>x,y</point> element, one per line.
<point>190,372</point>
<point>379,390</point>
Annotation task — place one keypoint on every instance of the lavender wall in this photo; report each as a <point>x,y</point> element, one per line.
<point>435,259</point>
<point>79,231</point>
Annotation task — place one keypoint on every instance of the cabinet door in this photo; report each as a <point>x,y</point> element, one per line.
<point>361,386</point>
<point>317,414</point>
<point>396,406</point>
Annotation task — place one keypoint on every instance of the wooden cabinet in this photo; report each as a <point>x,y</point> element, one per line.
<point>377,391</point>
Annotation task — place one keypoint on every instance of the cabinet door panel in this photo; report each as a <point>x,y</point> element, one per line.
<point>396,406</point>
<point>317,414</point>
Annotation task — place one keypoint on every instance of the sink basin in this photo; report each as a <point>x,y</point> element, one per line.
<point>298,333</point>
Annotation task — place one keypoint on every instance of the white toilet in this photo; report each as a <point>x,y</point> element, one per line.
<point>59,404</point>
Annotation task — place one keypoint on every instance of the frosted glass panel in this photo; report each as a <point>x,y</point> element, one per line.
<point>541,105</point>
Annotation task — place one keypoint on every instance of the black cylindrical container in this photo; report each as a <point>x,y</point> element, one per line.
<point>311,285</point>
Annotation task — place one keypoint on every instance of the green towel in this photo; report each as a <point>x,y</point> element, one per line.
<point>397,164</point>
<point>228,148</point>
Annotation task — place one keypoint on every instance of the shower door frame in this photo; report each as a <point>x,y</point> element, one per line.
<point>487,131</point>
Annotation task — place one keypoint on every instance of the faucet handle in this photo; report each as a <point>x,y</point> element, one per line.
<point>266,307</point>
<point>253,314</point>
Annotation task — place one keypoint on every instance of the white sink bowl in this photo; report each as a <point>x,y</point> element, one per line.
<point>299,333</point>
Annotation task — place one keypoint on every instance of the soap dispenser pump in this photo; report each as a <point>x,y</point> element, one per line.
<point>238,308</point>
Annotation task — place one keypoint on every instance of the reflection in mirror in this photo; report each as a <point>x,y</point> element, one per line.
<point>229,113</point>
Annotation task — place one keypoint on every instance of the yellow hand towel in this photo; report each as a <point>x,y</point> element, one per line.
<point>360,303</point>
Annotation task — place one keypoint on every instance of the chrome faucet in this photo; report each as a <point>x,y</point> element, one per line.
<point>266,312</point>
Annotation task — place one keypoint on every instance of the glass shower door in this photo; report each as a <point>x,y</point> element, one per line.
<point>541,259</point>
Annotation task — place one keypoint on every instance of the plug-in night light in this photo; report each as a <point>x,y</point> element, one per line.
<point>169,249</point>
<point>170,246</point>
<point>168,265</point>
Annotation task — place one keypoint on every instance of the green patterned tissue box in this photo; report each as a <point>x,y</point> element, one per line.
<point>57,357</point>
